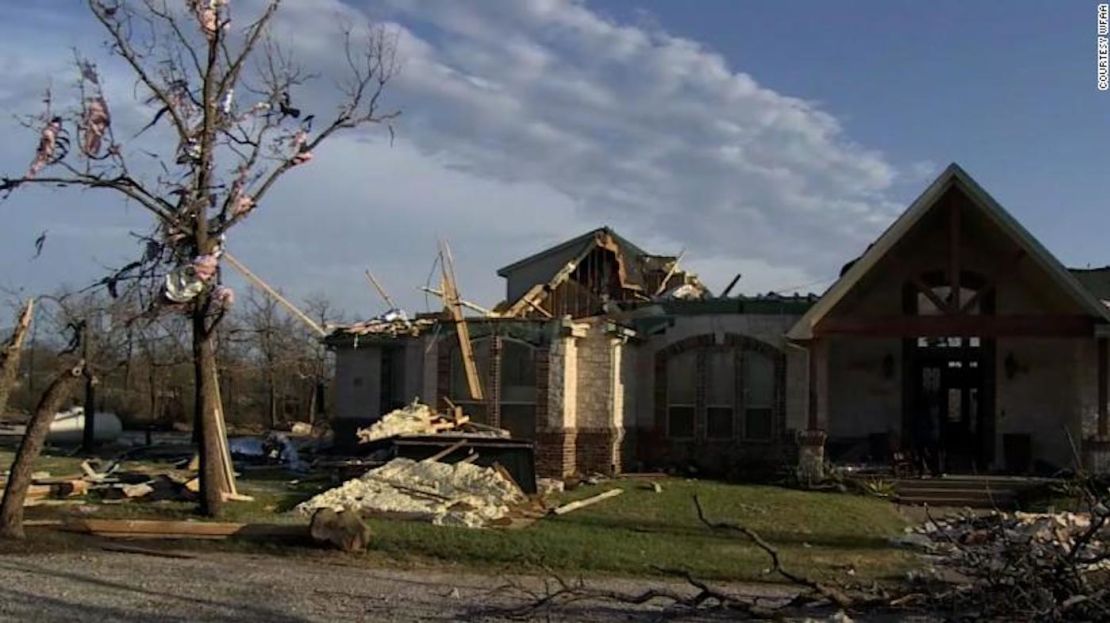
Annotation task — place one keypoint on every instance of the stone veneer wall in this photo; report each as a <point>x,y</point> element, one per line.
<point>555,433</point>
<point>600,399</point>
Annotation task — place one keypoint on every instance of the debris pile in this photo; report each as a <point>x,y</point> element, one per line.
<point>460,494</point>
<point>1018,566</point>
<point>420,419</point>
<point>960,537</point>
<point>393,323</point>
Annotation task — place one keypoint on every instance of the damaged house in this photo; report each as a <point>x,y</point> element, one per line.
<point>955,325</point>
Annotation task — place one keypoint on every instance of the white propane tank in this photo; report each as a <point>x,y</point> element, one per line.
<point>69,427</point>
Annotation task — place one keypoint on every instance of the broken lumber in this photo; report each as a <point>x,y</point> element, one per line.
<point>454,307</point>
<point>256,280</point>
<point>573,506</point>
<point>380,289</point>
<point>444,452</point>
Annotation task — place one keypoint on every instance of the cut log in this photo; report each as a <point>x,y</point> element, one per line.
<point>573,506</point>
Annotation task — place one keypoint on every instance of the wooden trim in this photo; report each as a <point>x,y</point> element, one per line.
<point>811,356</point>
<point>954,256</point>
<point>954,326</point>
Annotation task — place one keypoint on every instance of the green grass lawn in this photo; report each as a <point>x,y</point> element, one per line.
<point>637,533</point>
<point>641,531</point>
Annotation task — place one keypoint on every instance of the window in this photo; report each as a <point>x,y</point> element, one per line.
<point>721,391</point>
<point>720,394</point>
<point>759,394</point>
<point>518,388</point>
<point>681,394</point>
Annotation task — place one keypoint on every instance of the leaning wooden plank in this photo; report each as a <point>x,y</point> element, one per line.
<point>444,452</point>
<point>451,301</point>
<point>573,506</point>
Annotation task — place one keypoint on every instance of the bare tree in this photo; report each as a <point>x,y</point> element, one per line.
<point>12,351</point>
<point>194,62</point>
<point>271,334</point>
<point>318,363</point>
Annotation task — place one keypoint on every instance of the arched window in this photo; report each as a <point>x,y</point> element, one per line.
<point>720,391</point>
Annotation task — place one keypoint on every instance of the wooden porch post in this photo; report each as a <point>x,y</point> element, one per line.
<point>1103,420</point>
<point>812,422</point>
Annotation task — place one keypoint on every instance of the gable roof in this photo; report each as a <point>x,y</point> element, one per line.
<point>574,246</point>
<point>953,176</point>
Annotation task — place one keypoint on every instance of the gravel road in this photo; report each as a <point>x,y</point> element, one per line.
<point>95,585</point>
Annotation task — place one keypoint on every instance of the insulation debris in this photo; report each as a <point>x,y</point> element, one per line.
<point>461,494</point>
<point>415,419</point>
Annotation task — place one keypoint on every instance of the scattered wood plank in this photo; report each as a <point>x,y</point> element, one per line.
<point>146,551</point>
<point>154,529</point>
<point>573,506</point>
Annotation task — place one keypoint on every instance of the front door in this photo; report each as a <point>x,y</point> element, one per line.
<point>948,406</point>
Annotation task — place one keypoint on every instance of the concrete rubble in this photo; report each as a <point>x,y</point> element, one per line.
<point>460,494</point>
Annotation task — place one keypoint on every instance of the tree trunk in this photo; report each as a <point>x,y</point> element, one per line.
<point>19,479</point>
<point>9,356</point>
<point>312,404</point>
<point>88,437</point>
<point>270,383</point>
<point>213,482</point>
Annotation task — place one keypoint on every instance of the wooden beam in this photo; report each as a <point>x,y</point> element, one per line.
<point>965,326</point>
<point>256,280</point>
<point>730,286</point>
<point>929,293</point>
<point>380,289</point>
<point>992,281</point>
<point>663,284</point>
<point>464,303</point>
<point>1103,415</point>
<point>454,307</point>
<point>954,256</point>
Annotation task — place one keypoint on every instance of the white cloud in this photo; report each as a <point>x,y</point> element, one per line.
<point>527,121</point>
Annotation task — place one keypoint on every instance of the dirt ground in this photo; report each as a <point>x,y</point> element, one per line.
<point>95,585</point>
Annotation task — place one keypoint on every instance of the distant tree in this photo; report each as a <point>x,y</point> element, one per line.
<point>225,128</point>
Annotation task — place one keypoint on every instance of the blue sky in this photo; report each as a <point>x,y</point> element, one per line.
<point>772,138</point>
<point>1004,88</point>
